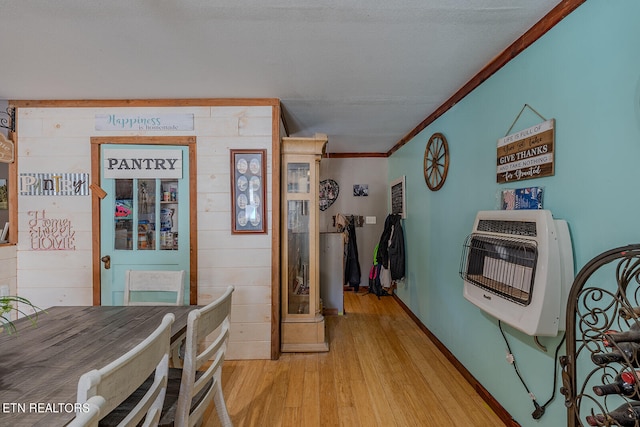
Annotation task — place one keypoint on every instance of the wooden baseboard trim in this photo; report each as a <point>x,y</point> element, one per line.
<point>500,411</point>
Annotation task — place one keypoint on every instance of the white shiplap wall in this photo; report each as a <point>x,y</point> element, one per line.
<point>58,140</point>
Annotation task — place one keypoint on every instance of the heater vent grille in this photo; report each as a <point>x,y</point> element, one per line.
<point>501,265</point>
<point>517,266</point>
<point>516,228</point>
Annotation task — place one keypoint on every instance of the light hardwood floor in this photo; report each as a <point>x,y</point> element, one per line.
<point>381,370</point>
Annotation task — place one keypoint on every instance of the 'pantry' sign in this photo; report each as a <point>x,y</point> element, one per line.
<point>142,163</point>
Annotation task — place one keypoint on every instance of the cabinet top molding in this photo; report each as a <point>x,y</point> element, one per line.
<point>305,145</point>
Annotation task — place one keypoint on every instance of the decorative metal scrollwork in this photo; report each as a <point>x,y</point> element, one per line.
<point>605,297</point>
<point>8,122</point>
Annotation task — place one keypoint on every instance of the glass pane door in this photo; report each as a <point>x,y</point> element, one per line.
<point>153,197</point>
<point>298,178</point>
<point>169,215</point>
<point>142,213</point>
<point>146,214</point>
<point>123,222</point>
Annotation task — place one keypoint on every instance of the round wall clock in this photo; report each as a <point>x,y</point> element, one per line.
<point>436,161</point>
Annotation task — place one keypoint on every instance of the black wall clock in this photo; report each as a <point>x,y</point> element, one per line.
<point>436,161</point>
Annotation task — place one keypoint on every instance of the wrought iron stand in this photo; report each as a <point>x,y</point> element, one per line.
<point>605,297</point>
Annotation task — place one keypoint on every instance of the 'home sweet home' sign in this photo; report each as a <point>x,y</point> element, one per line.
<point>50,234</point>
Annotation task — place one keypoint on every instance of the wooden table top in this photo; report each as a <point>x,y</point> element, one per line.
<point>40,365</point>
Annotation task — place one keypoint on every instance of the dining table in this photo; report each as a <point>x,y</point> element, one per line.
<point>41,362</point>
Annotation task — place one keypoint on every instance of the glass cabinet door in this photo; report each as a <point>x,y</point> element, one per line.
<point>298,248</point>
<point>298,178</point>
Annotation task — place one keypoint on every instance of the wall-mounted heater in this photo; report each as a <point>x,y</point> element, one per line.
<point>517,266</point>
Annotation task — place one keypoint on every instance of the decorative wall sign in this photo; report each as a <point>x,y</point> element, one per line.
<point>6,150</point>
<point>248,191</point>
<point>527,154</point>
<point>54,184</point>
<point>144,122</point>
<point>398,197</point>
<point>141,163</point>
<point>50,234</point>
<point>329,190</point>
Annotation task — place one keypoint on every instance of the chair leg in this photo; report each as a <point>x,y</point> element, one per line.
<point>218,399</point>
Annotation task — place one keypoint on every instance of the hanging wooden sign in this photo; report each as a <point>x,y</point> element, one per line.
<point>6,150</point>
<point>527,154</point>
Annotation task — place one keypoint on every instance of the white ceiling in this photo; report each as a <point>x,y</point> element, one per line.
<point>365,72</point>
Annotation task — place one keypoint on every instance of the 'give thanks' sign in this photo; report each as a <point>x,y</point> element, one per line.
<point>526,154</point>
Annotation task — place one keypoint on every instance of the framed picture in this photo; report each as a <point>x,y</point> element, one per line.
<point>4,233</point>
<point>4,195</point>
<point>398,197</point>
<point>360,190</point>
<point>248,191</point>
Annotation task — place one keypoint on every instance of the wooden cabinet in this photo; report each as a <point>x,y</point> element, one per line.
<point>303,326</point>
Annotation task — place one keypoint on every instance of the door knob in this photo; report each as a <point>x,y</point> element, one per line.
<point>107,261</point>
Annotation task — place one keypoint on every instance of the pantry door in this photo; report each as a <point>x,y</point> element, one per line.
<point>144,216</point>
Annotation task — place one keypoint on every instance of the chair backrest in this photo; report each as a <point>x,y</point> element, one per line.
<point>201,323</point>
<point>120,378</point>
<point>152,281</point>
<point>89,414</point>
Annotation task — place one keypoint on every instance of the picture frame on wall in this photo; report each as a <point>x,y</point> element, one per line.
<point>248,191</point>
<point>4,195</point>
<point>361,190</point>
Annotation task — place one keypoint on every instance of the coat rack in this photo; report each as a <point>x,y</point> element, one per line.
<point>358,220</point>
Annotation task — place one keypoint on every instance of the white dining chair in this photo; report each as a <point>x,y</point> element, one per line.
<point>141,283</point>
<point>89,413</point>
<point>147,363</point>
<point>192,388</point>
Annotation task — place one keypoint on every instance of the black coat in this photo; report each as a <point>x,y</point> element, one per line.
<point>391,247</point>
<point>352,265</point>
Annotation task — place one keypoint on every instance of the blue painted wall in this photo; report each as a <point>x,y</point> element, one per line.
<point>585,73</point>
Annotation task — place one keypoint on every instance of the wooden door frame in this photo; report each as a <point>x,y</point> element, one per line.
<point>96,143</point>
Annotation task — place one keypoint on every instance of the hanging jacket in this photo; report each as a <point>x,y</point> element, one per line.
<point>382,256</point>
<point>396,250</point>
<point>352,265</point>
<point>391,247</point>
